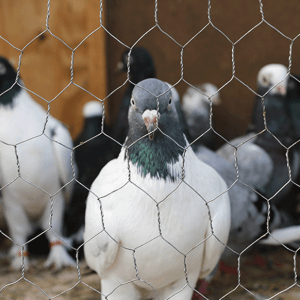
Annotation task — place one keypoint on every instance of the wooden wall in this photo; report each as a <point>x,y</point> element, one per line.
<point>46,61</point>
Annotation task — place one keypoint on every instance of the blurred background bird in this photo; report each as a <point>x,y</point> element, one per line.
<point>36,170</point>
<point>272,141</point>
<point>92,151</point>
<point>196,109</point>
<point>249,210</point>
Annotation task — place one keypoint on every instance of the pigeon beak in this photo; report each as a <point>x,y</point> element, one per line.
<point>151,121</point>
<point>281,90</point>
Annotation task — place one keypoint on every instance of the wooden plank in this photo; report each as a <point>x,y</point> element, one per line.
<point>46,61</point>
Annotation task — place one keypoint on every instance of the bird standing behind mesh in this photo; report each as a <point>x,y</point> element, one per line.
<point>92,152</point>
<point>35,162</point>
<point>263,152</point>
<point>148,233</point>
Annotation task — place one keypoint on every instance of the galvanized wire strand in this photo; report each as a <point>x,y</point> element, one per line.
<point>157,202</point>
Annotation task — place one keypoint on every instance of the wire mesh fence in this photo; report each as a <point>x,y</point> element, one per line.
<point>254,216</point>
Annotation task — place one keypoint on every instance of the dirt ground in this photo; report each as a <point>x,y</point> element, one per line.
<point>265,273</point>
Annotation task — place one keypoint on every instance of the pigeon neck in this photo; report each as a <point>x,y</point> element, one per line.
<point>158,157</point>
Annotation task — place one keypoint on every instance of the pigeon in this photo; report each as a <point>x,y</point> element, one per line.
<point>92,152</point>
<point>196,109</point>
<point>141,67</point>
<point>36,170</point>
<point>272,87</point>
<point>151,211</point>
<point>249,210</point>
<point>266,149</point>
<point>290,235</point>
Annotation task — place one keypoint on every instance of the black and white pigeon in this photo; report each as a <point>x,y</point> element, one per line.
<point>145,226</point>
<point>35,163</point>
<point>272,88</point>
<point>92,153</point>
<point>290,234</point>
<point>196,109</point>
<point>263,151</point>
<point>141,67</point>
<point>248,210</point>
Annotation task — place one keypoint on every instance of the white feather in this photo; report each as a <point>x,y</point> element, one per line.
<point>273,76</point>
<point>38,165</point>
<point>130,216</point>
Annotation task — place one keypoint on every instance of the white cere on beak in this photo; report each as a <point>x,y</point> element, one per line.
<point>151,121</point>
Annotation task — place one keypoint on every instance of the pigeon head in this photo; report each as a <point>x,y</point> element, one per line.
<point>196,107</point>
<point>273,80</point>
<point>272,76</point>
<point>152,107</point>
<point>193,100</point>
<point>8,77</point>
<point>210,90</point>
<point>141,64</point>
<point>155,137</point>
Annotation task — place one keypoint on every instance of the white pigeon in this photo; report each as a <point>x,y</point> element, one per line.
<point>145,227</point>
<point>35,163</point>
<point>196,110</point>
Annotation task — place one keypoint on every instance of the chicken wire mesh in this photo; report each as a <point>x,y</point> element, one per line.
<point>235,149</point>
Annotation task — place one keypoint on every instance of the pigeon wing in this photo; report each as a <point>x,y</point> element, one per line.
<point>101,236</point>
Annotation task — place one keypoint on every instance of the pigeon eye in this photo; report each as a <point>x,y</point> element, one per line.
<point>2,69</point>
<point>132,101</point>
<point>170,101</point>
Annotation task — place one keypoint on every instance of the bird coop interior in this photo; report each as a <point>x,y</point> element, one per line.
<point>67,53</point>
